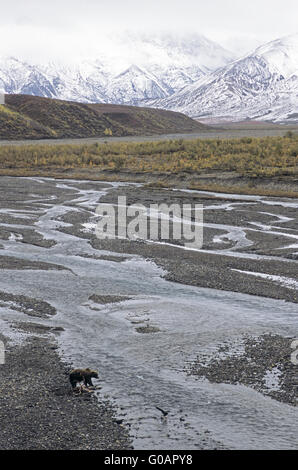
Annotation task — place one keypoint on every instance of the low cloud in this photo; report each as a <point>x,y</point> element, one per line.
<point>71,29</point>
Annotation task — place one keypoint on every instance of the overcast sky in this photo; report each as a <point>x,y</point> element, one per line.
<point>36,29</point>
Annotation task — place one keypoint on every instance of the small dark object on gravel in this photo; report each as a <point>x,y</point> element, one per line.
<point>164,413</point>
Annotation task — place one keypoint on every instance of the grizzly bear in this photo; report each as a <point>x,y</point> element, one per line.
<point>80,375</point>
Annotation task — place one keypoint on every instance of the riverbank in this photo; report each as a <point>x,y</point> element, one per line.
<point>215,181</point>
<point>266,166</point>
<point>39,410</point>
<point>262,363</point>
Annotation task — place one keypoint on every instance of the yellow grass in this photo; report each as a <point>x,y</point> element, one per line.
<point>267,156</point>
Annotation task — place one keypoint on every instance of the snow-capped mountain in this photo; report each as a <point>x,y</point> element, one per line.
<point>141,68</point>
<point>262,85</point>
<point>135,85</point>
<point>17,76</point>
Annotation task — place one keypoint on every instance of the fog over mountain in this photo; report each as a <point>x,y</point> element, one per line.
<point>141,68</point>
<point>183,72</point>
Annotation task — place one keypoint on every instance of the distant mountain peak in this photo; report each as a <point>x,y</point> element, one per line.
<point>132,69</point>
<point>181,72</point>
<point>260,85</point>
<point>142,68</point>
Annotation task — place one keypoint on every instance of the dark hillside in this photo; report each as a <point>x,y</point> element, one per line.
<point>34,117</point>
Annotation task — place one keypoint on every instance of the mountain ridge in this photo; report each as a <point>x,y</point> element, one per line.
<point>188,74</point>
<point>261,85</point>
<point>148,68</point>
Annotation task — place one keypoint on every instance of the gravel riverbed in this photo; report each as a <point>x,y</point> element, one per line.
<point>39,410</point>
<point>47,229</point>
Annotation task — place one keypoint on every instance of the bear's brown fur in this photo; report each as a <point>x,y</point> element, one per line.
<point>82,375</point>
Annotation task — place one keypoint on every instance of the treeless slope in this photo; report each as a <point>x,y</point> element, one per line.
<point>14,125</point>
<point>148,120</point>
<point>26,116</point>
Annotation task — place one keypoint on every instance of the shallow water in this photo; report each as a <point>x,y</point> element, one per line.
<point>141,371</point>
